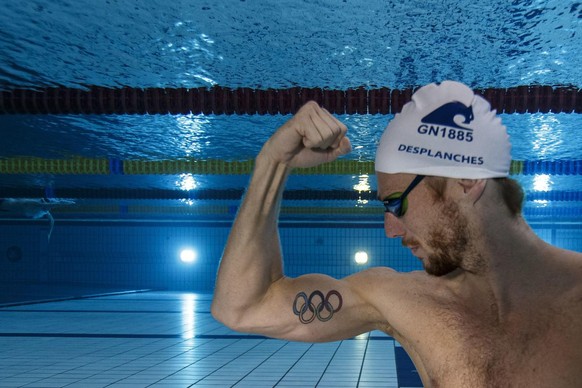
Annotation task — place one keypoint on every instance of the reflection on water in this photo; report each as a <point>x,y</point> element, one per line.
<point>363,185</point>
<point>188,318</point>
<point>547,135</point>
<point>186,182</point>
<point>542,182</point>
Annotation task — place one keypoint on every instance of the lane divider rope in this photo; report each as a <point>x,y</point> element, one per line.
<point>88,166</point>
<point>220,100</point>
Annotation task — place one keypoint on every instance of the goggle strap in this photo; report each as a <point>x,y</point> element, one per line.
<point>412,185</point>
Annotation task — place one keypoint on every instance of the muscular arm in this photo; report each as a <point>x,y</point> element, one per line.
<point>252,258</point>
<point>252,294</point>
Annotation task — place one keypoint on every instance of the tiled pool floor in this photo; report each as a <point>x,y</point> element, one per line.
<point>169,339</point>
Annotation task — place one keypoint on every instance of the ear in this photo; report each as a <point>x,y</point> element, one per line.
<point>473,188</point>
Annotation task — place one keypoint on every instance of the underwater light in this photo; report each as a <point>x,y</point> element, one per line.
<point>542,182</point>
<point>188,255</point>
<point>361,257</point>
<point>187,182</point>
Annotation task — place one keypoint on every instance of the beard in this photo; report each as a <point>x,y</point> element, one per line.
<point>450,242</point>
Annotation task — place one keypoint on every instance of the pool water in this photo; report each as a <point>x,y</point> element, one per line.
<point>101,297</point>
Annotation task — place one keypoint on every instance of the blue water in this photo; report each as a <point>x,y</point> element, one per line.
<point>126,231</point>
<point>265,44</point>
<point>158,137</point>
<point>260,43</point>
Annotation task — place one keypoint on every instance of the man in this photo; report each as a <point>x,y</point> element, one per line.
<point>33,208</point>
<point>496,306</point>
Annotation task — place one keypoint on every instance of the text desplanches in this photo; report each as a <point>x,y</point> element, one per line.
<point>455,157</point>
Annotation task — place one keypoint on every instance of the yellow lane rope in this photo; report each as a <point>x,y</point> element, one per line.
<point>87,166</point>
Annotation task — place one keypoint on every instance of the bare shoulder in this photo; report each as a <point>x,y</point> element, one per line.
<point>385,279</point>
<point>575,258</point>
<point>400,297</point>
<point>561,291</point>
<point>573,266</point>
<point>569,268</point>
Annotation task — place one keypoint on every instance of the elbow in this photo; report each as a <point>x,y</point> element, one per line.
<point>235,318</point>
<point>218,311</point>
<point>225,315</point>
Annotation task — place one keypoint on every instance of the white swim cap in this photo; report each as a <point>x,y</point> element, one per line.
<point>446,130</point>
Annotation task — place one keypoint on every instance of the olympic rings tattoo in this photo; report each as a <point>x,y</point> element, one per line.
<point>306,309</point>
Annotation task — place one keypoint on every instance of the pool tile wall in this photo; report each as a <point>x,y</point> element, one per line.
<point>146,254</point>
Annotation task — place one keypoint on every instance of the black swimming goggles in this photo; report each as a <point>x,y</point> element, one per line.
<point>396,203</point>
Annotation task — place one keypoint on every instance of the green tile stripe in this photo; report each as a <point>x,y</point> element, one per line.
<point>79,165</point>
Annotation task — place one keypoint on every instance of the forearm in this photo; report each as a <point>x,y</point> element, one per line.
<point>252,259</point>
<point>250,286</point>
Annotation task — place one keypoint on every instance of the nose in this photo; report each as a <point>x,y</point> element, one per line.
<point>393,226</point>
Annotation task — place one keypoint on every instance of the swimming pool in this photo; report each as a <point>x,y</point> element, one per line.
<point>147,114</point>
<point>90,114</point>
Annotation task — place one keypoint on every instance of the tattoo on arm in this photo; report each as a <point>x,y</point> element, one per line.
<point>317,305</point>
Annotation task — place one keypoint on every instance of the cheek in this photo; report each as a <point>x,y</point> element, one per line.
<point>452,229</point>
<point>423,218</point>
<point>425,222</point>
<point>393,227</point>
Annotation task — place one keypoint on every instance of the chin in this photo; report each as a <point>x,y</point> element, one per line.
<point>439,267</point>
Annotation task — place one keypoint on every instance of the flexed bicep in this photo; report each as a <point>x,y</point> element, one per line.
<point>311,308</point>
<point>251,293</point>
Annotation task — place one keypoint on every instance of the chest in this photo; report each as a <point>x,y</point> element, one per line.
<point>471,350</point>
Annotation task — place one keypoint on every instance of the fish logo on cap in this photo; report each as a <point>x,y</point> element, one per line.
<point>445,115</point>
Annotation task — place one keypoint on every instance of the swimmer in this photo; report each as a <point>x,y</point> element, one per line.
<point>33,208</point>
<point>495,305</point>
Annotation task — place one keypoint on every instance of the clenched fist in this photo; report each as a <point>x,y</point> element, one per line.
<point>311,137</point>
